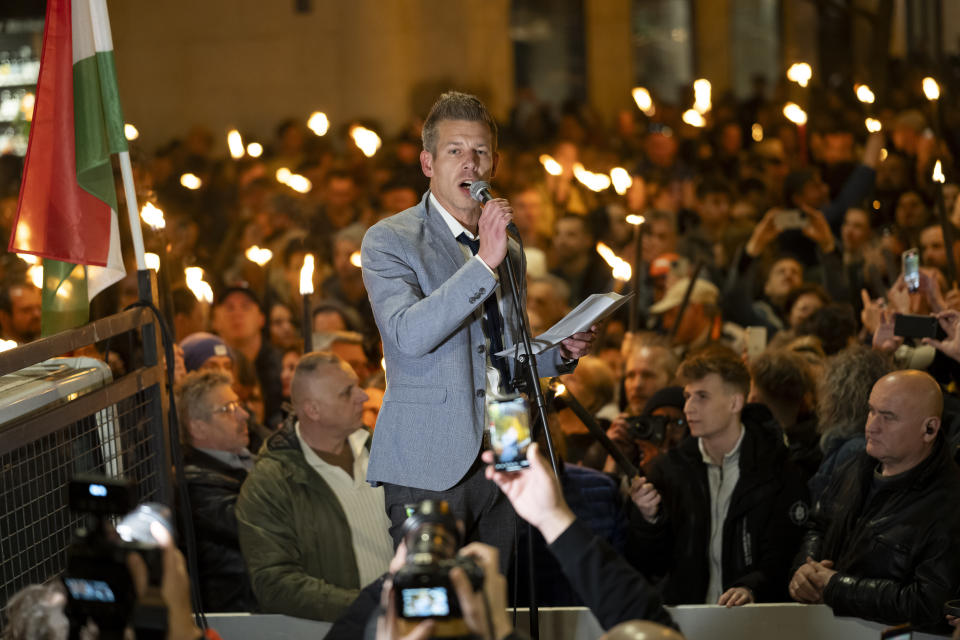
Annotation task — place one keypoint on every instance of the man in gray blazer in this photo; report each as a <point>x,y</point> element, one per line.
<point>441,312</point>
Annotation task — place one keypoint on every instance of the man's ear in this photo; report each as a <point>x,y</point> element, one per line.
<point>309,410</point>
<point>426,163</point>
<point>931,426</point>
<point>737,400</point>
<point>196,430</point>
<point>496,164</point>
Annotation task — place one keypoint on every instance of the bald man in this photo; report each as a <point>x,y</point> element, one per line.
<point>884,542</point>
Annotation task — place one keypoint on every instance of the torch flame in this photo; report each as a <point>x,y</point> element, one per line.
<point>559,389</point>
<point>366,140</point>
<point>191,181</point>
<point>873,125</point>
<point>283,174</point>
<point>621,268</point>
<point>35,273</point>
<point>130,132</point>
<point>644,102</point>
<point>550,165</point>
<point>235,143</point>
<point>254,149</point>
<point>931,89</point>
<point>635,220</point>
<point>195,282</point>
<point>306,275</point>
<point>756,132</point>
<point>299,183</point>
<point>257,255</point>
<point>794,113</point>
<point>355,259</point>
<point>6,345</point>
<point>938,173</point>
<point>29,258</point>
<point>621,180</point>
<point>694,118</point>
<point>152,216</point>
<point>701,95</point>
<point>800,72</point>
<point>591,180</point>
<point>318,123</point>
<point>153,261</point>
<point>864,94</point>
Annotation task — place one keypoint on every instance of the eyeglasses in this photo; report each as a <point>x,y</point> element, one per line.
<point>230,407</point>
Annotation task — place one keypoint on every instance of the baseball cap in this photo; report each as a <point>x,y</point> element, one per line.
<point>239,287</point>
<point>200,347</point>
<point>703,292</point>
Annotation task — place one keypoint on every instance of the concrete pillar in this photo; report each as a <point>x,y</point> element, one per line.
<point>609,43</point>
<point>712,31</point>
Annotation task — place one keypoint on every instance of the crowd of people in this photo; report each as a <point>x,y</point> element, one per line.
<point>794,445</point>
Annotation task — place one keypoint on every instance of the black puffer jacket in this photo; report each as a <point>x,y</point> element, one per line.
<point>213,487</point>
<point>762,530</point>
<point>896,545</point>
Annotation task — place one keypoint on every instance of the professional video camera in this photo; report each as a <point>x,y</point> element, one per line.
<point>422,586</point>
<point>97,580</point>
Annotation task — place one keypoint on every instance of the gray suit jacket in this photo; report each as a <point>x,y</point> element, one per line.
<point>424,296</point>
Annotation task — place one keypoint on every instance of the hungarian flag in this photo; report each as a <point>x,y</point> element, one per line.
<point>67,212</point>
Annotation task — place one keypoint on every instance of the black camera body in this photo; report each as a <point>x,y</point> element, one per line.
<point>97,579</point>
<point>650,428</point>
<point>422,586</point>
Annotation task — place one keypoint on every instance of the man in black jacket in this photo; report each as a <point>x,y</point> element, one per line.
<point>719,517</point>
<point>216,460</point>
<point>884,540</point>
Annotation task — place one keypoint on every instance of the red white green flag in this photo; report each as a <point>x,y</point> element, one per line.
<point>67,212</point>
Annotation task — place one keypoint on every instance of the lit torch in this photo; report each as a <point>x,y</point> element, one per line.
<point>701,95</point>
<point>589,179</point>
<point>620,268</point>
<point>550,165</point>
<point>258,256</point>
<point>621,180</point>
<point>366,140</point>
<point>195,282</point>
<point>355,259</point>
<point>800,72</point>
<point>306,288</point>
<point>644,102</point>
<point>945,224</point>
<point>235,144</point>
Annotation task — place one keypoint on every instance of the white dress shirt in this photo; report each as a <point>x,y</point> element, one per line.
<point>722,479</point>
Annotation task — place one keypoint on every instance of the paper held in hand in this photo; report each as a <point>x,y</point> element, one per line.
<point>591,311</point>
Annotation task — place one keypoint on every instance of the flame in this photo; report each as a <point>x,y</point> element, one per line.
<point>800,72</point>
<point>635,220</point>
<point>29,258</point>
<point>883,154</point>
<point>152,216</point>
<point>153,261</point>
<point>355,259</point>
<point>873,125</point>
<point>756,132</point>
<point>591,180</point>
<point>235,143</point>
<point>190,181</point>
<point>65,290</point>
<point>257,255</point>
<point>35,273</point>
<point>366,140</point>
<point>27,103</point>
<point>621,268</point>
<point>550,165</point>
<point>644,102</point>
<point>864,94</point>
<point>318,123</point>
<point>283,174</point>
<point>299,183</point>
<point>6,345</point>
<point>195,282</point>
<point>306,275</point>
<point>254,149</point>
<point>938,173</point>
<point>701,95</point>
<point>931,89</point>
<point>130,132</point>
<point>559,388</point>
<point>621,180</point>
<point>794,113</point>
<point>694,118</point>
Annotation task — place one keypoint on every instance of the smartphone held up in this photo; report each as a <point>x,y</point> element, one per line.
<point>508,425</point>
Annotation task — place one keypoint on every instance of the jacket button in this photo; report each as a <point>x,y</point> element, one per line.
<point>482,290</point>
<point>480,393</point>
<point>481,349</point>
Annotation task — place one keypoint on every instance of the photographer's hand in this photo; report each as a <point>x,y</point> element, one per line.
<point>950,345</point>
<point>387,623</point>
<point>472,604</point>
<point>646,497</point>
<point>174,590</point>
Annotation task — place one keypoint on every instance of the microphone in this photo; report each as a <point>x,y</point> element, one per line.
<point>480,191</point>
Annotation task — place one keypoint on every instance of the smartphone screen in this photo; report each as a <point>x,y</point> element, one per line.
<point>90,590</point>
<point>508,422</point>
<point>425,602</point>
<point>911,269</point>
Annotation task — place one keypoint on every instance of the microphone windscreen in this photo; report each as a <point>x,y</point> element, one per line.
<point>480,191</point>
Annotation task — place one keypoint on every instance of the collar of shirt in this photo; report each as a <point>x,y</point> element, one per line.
<point>355,440</point>
<point>732,456</point>
<point>243,460</point>
<point>455,227</point>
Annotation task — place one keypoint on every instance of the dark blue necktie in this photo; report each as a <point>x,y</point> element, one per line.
<point>492,323</point>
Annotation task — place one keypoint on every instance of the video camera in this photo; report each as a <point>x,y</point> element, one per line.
<point>422,586</point>
<point>651,428</point>
<point>98,582</point>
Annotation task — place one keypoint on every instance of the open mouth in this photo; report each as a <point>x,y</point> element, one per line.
<point>465,186</point>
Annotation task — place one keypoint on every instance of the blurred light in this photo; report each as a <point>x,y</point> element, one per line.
<point>190,181</point>
<point>701,95</point>
<point>195,282</point>
<point>153,261</point>
<point>130,132</point>
<point>152,216</point>
<point>873,125</point>
<point>26,105</point>
<point>318,123</point>
<point>756,132</point>
<point>938,173</point>
<point>876,204</point>
<point>65,289</point>
<point>794,113</point>
<point>634,219</point>
<point>306,275</point>
<point>283,174</point>
<point>644,102</point>
<point>591,180</point>
<point>864,94</point>
<point>931,89</point>
<point>355,259</point>
<point>383,363</point>
<point>552,166</point>
<point>883,154</point>
<point>621,180</point>
<point>257,255</point>
<point>299,183</point>
<point>800,72</point>
<point>694,118</point>
<point>29,258</point>
<point>6,345</point>
<point>366,140</point>
<point>35,274</point>
<point>235,143</point>
<point>559,389</point>
<point>621,268</point>
<point>254,149</point>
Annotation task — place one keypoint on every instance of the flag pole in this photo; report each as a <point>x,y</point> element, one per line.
<point>103,41</point>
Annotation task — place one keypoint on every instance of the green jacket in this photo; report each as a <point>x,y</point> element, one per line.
<point>294,535</point>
